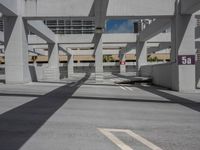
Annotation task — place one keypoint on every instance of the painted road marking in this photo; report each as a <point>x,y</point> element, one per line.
<point>122,88</point>
<point>122,145</point>
<point>130,89</point>
<point>115,140</point>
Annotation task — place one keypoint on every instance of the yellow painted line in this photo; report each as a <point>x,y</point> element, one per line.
<point>114,139</point>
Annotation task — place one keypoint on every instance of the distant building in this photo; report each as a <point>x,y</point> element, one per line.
<point>71,26</point>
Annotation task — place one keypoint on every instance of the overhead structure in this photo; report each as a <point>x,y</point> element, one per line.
<point>22,17</point>
<point>189,7</point>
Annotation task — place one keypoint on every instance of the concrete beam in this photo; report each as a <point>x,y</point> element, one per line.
<point>154,28</point>
<point>57,8</point>
<point>1,37</point>
<point>66,49</point>
<point>41,30</point>
<point>89,38</point>
<point>142,8</point>
<point>162,37</point>
<point>79,46</point>
<point>129,47</point>
<point>197,32</point>
<point>161,47</point>
<point>45,46</point>
<point>189,6</point>
<point>35,40</point>
<point>35,52</point>
<point>8,7</point>
<point>119,38</point>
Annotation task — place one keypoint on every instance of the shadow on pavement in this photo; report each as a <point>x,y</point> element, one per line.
<point>173,98</point>
<point>130,100</point>
<point>19,124</point>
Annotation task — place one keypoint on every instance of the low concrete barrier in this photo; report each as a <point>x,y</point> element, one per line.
<point>160,74</point>
<point>37,70</point>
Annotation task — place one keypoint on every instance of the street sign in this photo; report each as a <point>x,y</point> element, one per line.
<point>186,59</point>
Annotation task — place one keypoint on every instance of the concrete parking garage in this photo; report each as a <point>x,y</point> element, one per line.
<point>63,103</point>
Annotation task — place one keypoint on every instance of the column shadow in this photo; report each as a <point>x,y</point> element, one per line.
<point>173,98</point>
<point>20,123</point>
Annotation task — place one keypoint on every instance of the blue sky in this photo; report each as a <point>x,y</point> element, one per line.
<point>119,26</point>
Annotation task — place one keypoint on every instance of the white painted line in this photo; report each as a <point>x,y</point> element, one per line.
<point>130,89</point>
<point>115,140</point>
<point>119,143</point>
<point>143,140</point>
<point>122,88</point>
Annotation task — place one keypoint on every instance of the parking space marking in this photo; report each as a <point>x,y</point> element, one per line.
<point>115,140</point>
<point>122,145</point>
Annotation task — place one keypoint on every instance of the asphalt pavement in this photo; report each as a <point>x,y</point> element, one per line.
<point>82,114</point>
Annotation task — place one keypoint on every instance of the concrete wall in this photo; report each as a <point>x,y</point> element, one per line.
<point>198,74</point>
<point>80,8</point>
<point>37,71</point>
<point>160,73</point>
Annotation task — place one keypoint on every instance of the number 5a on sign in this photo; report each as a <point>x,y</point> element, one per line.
<point>186,59</point>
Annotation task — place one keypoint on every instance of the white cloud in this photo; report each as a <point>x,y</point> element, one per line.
<point>125,27</point>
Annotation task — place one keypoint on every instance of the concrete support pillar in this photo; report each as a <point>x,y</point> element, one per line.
<point>53,55</point>
<point>122,58</point>
<point>70,65</point>
<point>16,51</point>
<point>53,71</point>
<point>141,55</point>
<point>99,57</point>
<point>183,43</point>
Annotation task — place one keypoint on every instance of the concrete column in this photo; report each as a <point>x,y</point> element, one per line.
<point>70,65</point>
<point>122,58</point>
<point>53,55</point>
<point>16,51</point>
<point>183,43</point>
<point>53,62</point>
<point>98,57</point>
<point>141,55</point>
<point>99,54</point>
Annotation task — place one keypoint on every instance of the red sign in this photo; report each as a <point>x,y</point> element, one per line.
<point>122,62</point>
<point>186,60</point>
